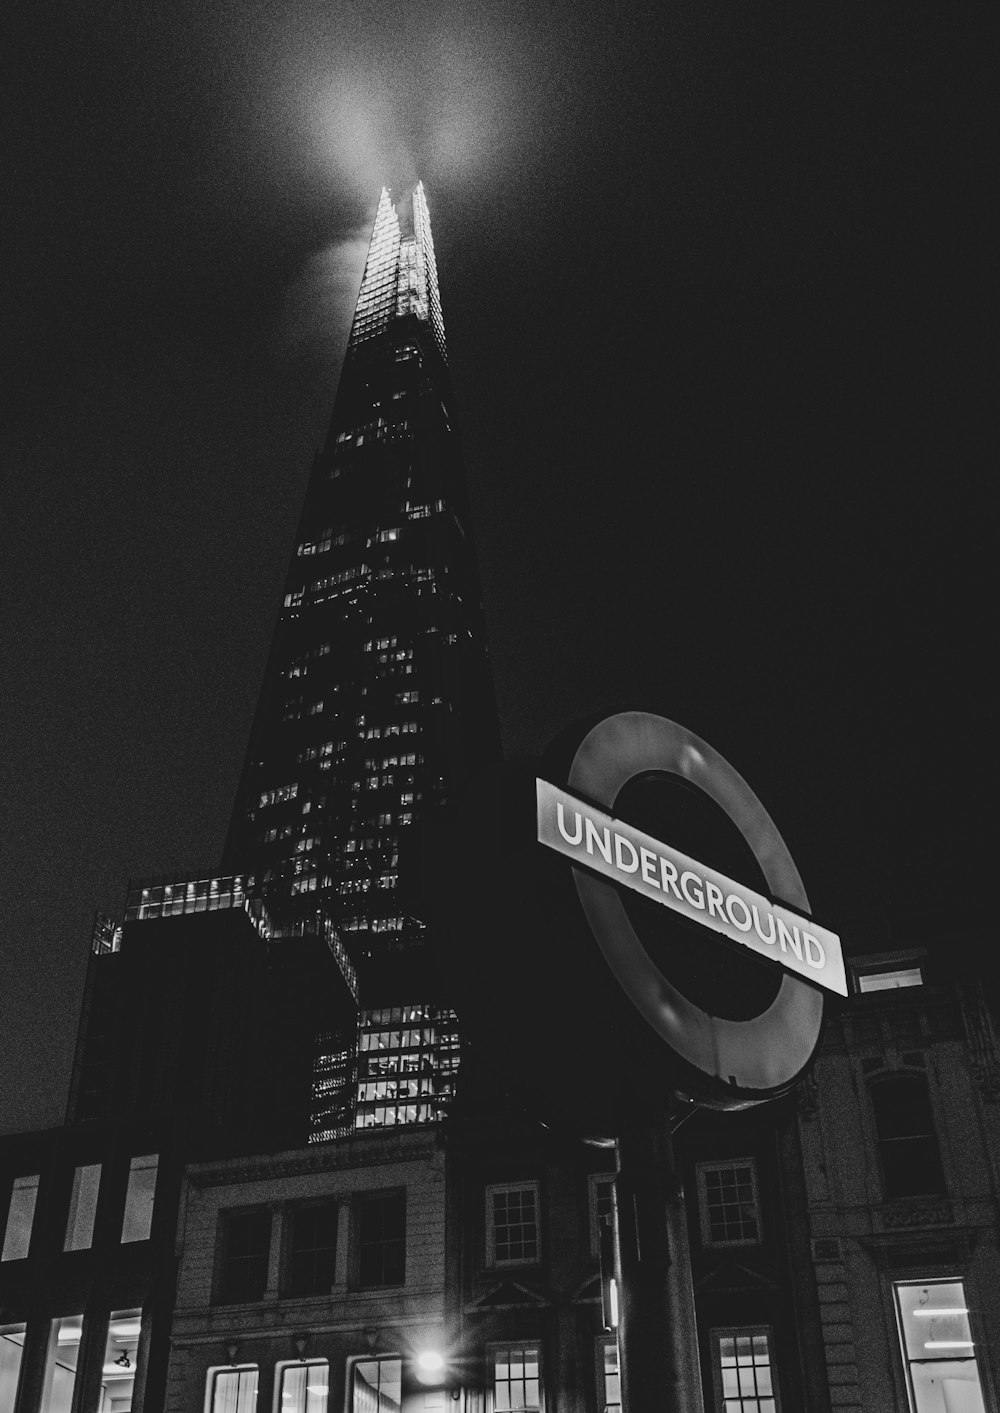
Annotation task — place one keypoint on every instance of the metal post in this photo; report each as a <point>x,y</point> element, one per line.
<point>657,1335</point>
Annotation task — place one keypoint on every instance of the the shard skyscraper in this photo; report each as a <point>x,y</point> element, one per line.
<point>377,701</point>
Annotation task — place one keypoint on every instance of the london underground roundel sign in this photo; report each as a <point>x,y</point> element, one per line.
<point>544,903</point>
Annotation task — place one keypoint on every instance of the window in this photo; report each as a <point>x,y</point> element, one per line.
<point>83,1207</point>
<point>246,1249</point>
<point>233,1390</point>
<point>938,1350</point>
<point>516,1377</point>
<point>305,1388</point>
<point>908,1150</point>
<point>741,1365</point>
<point>11,1349</point>
<point>727,1203</point>
<point>601,1192</point>
<point>138,1219</point>
<point>376,1386</point>
<point>313,1249</point>
<point>889,978</point>
<point>609,1391</point>
<point>121,1360</point>
<point>61,1361</point>
<point>382,1239</point>
<point>512,1225</point>
<point>20,1216</point>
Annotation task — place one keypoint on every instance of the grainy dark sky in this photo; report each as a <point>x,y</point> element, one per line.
<point>714,281</point>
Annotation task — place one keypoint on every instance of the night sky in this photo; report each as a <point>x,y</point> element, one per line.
<point>713,278</point>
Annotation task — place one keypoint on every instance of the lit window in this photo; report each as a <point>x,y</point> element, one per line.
<point>741,1365</point>
<point>908,1149</point>
<point>20,1216</point>
<point>512,1225</point>
<point>305,1388</point>
<point>245,1253</point>
<point>730,1214</point>
<point>601,1192</point>
<point>376,1386</point>
<point>938,1348</point>
<point>516,1378</point>
<point>83,1207</point>
<point>61,1363</point>
<point>11,1350</point>
<point>138,1220</point>
<point>609,1391</point>
<point>313,1248</point>
<point>382,1239</point>
<point>889,979</point>
<point>121,1355</point>
<point>233,1390</point>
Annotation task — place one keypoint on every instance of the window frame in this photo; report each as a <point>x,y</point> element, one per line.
<point>84,1199</point>
<point>368,1199</point>
<point>222,1294</point>
<point>20,1182</point>
<point>293,1214</point>
<point>918,1080</point>
<point>507,1346</point>
<point>508,1263</point>
<point>283,1366</point>
<point>601,1344</point>
<point>595,1180</point>
<point>212,1374</point>
<point>352,1365</point>
<point>702,1169</point>
<point>134,1211</point>
<point>907,1362</point>
<point>716,1336</point>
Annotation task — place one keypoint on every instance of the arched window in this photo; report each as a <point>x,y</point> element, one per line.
<point>908,1148</point>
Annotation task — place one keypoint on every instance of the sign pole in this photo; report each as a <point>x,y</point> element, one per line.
<point>657,1335</point>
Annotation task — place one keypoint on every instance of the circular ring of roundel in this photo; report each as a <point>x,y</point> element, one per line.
<point>744,1060</point>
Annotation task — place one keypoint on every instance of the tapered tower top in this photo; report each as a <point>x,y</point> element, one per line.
<point>400,279</point>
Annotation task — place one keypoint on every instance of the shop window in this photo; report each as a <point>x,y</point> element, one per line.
<point>83,1207</point>
<point>246,1246</point>
<point>609,1390</point>
<point>11,1349</point>
<point>233,1390</point>
<point>121,1354</point>
<point>512,1237</point>
<point>907,1145</point>
<point>382,1239</point>
<point>742,1370</point>
<point>601,1204</point>
<point>727,1203</point>
<point>313,1249</point>
<point>515,1377</point>
<point>138,1220</point>
<point>376,1386</point>
<point>60,1368</point>
<point>939,1353</point>
<point>20,1217</point>
<point>305,1388</point>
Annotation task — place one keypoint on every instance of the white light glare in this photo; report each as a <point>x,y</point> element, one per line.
<point>952,1310</point>
<point>948,1344</point>
<point>430,1360</point>
<point>614,1302</point>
